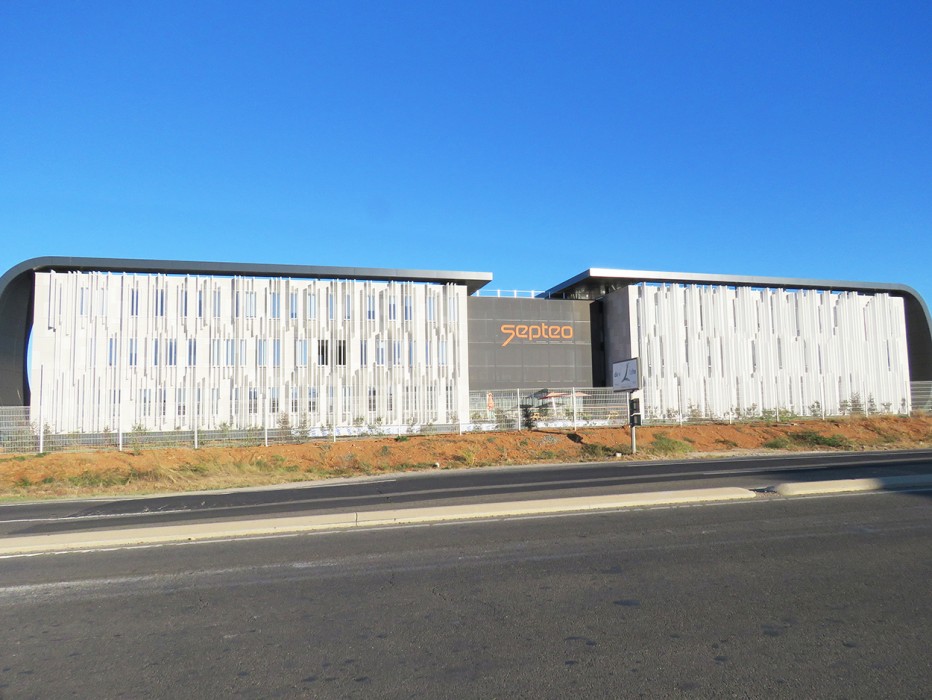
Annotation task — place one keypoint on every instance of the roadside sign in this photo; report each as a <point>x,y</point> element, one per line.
<point>625,375</point>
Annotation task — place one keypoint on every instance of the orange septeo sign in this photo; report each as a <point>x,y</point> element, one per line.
<point>536,331</point>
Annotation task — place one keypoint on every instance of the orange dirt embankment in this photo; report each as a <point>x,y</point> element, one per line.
<point>153,471</point>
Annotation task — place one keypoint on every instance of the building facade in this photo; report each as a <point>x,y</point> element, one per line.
<point>114,351</point>
<point>96,344</point>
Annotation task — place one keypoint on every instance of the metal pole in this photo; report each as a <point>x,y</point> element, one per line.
<point>41,398</point>
<point>518,407</point>
<point>574,408</point>
<point>195,412</point>
<point>265,415</point>
<point>634,440</point>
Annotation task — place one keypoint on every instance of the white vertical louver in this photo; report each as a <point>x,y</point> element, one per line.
<point>258,360</point>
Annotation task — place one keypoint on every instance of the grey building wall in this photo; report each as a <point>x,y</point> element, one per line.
<point>619,345</point>
<point>533,343</point>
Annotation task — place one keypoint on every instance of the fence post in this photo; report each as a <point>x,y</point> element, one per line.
<point>574,408</point>
<point>120,438</point>
<point>41,402</point>
<point>195,413</point>
<point>265,416</point>
<point>518,407</point>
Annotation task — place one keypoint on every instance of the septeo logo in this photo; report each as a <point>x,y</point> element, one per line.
<point>536,331</point>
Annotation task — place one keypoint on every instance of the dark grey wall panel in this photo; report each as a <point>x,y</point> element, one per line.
<point>510,347</point>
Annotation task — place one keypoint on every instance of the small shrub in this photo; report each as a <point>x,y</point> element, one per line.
<point>777,443</point>
<point>727,444</point>
<point>665,445</point>
<point>592,450</point>
<point>811,438</point>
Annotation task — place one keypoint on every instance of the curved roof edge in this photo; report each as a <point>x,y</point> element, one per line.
<point>595,282</point>
<point>591,278</point>
<point>472,280</point>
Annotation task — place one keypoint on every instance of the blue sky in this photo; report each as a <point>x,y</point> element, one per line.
<point>532,140</point>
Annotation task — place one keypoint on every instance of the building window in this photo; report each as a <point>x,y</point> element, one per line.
<point>294,400</point>
<point>251,305</point>
<point>311,305</point>
<point>217,303</point>
<point>380,352</point>
<point>134,302</point>
<point>200,304</point>
<point>184,303</point>
<point>112,352</point>
<point>181,403</point>
<point>363,352</point>
<point>132,352</point>
<point>192,352</point>
<point>253,401</point>
<point>341,352</point>
<point>430,308</point>
<point>392,309</point>
<point>275,304</point>
<point>160,302</point>
<point>409,307</point>
<point>442,359</point>
<point>171,352</point>
<point>396,353</point>
<point>370,307</point>
<point>330,306</point>
<point>427,353</point>
<point>276,353</point>
<point>373,400</point>
<point>155,352</point>
<point>82,301</point>
<point>293,305</point>
<point>347,307</point>
<point>323,352</point>
<point>273,400</point>
<point>230,347</point>
<point>312,400</point>
<point>301,352</point>
<point>260,352</point>
<point>215,352</point>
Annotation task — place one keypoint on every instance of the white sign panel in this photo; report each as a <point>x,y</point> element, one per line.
<point>625,375</point>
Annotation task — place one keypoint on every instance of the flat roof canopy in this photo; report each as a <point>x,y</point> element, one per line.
<point>472,280</point>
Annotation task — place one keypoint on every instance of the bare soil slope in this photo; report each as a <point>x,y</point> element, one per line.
<point>122,473</point>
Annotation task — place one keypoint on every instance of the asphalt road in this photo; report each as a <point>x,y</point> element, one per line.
<point>810,597</point>
<point>454,488</point>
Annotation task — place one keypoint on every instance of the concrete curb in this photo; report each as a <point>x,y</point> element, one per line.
<point>336,521</point>
<point>812,488</point>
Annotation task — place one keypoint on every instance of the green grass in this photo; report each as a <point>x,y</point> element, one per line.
<point>811,438</point>
<point>808,438</point>
<point>663,444</point>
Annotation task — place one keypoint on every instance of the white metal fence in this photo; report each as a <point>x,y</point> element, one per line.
<point>518,409</point>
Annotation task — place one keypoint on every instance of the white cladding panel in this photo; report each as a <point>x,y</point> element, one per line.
<point>720,352</point>
<point>160,352</point>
